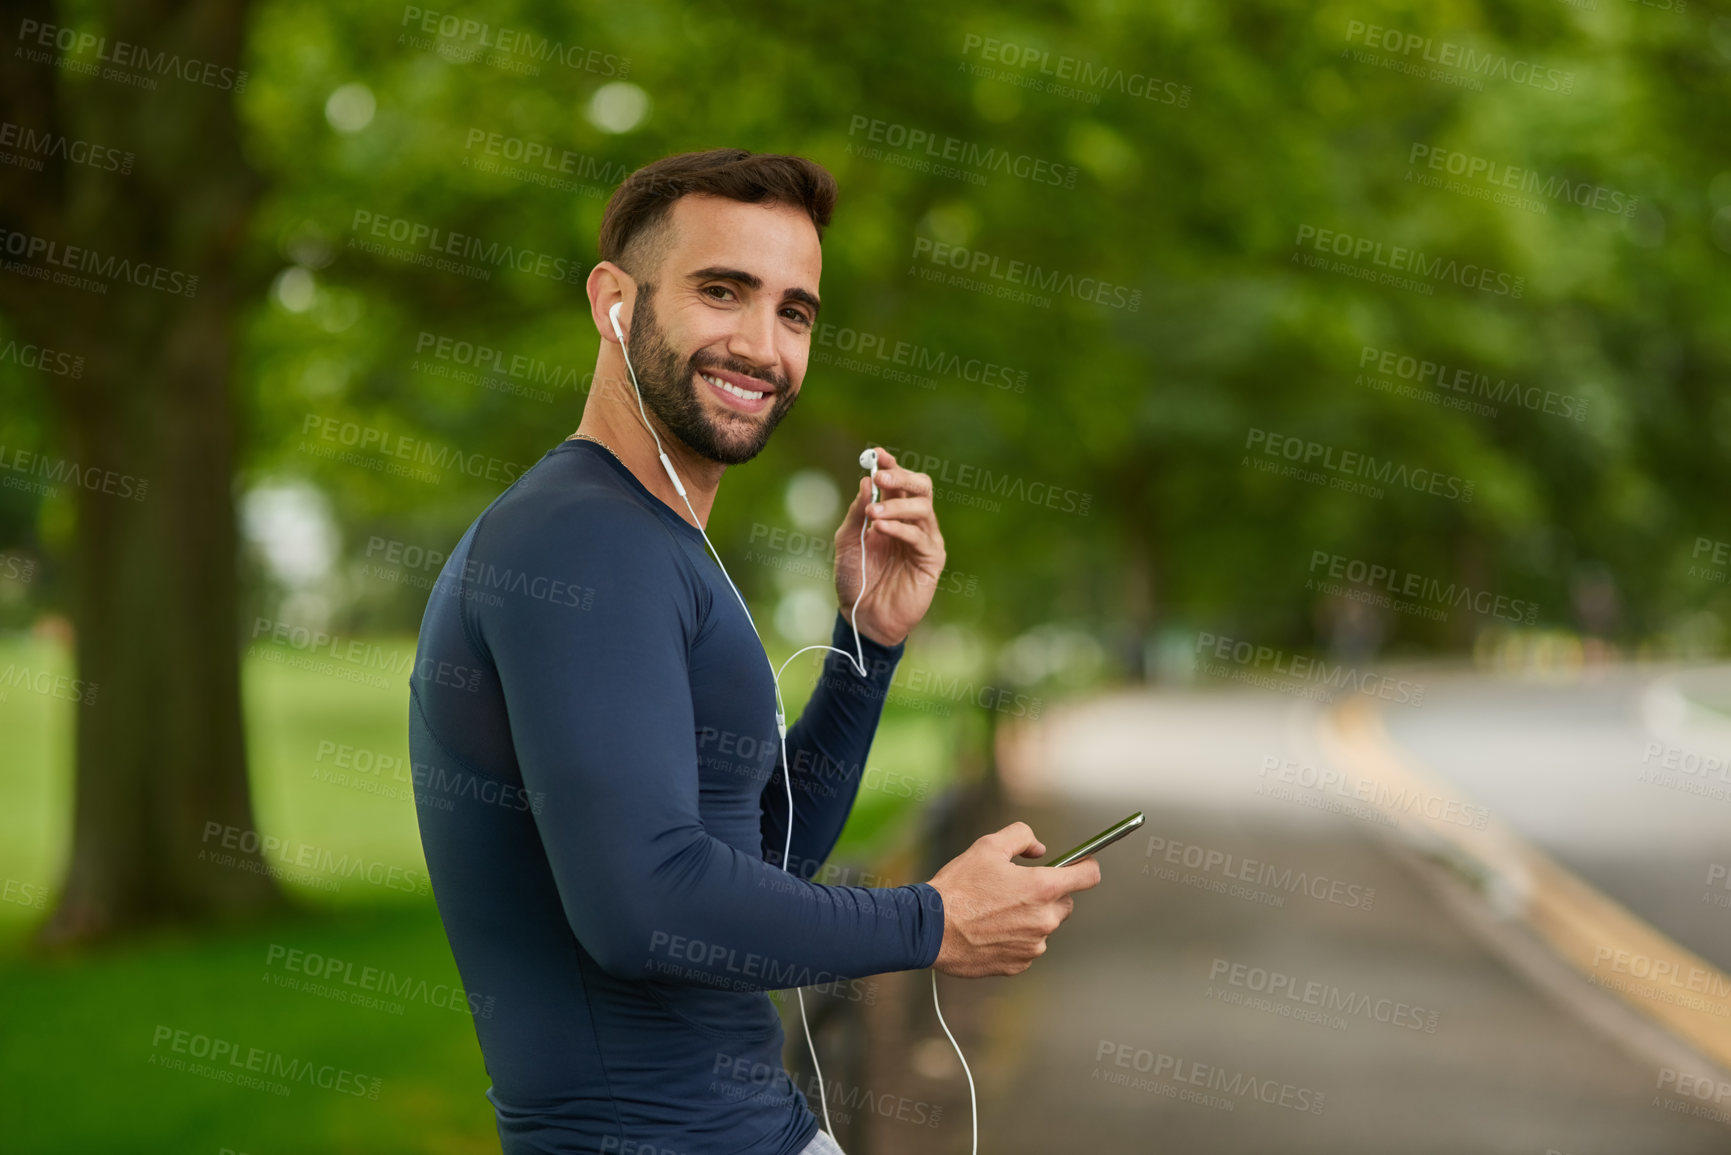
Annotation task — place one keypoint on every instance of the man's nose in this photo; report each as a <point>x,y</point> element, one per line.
<point>753,338</point>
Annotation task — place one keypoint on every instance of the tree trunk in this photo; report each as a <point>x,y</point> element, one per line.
<point>1140,577</point>
<point>146,454</point>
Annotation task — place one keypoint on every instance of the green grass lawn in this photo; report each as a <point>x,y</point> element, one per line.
<point>78,1037</point>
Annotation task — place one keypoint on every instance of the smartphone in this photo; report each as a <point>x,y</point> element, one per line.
<point>1100,841</point>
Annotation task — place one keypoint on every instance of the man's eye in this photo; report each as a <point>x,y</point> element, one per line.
<point>718,289</point>
<point>797,315</point>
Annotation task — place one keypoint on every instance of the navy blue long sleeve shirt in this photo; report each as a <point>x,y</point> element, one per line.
<point>602,806</point>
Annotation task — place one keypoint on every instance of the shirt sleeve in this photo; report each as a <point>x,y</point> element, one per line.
<point>828,747</point>
<point>601,717</point>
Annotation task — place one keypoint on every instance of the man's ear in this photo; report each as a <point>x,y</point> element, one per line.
<point>610,285</point>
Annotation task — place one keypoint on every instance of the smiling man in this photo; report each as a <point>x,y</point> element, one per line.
<point>592,723</point>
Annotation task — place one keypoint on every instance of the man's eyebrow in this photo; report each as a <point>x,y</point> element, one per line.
<point>753,281</point>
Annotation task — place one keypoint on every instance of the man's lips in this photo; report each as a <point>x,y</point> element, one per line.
<point>743,404</point>
<point>740,380</point>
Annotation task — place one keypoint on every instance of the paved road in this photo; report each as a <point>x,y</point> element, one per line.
<point>1153,1023</point>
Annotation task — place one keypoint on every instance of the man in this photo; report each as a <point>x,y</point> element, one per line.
<point>602,801</point>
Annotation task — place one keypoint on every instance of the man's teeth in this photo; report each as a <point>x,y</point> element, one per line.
<point>731,388</point>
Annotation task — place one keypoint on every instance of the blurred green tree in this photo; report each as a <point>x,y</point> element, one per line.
<point>150,429</point>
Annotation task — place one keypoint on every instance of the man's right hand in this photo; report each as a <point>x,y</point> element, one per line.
<point>997,914</point>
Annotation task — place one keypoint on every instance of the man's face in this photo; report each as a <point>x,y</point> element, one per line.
<point>734,299</point>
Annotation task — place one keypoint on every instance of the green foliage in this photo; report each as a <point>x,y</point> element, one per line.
<point>1195,205</point>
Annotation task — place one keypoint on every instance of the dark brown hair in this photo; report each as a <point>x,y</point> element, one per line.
<point>639,206</point>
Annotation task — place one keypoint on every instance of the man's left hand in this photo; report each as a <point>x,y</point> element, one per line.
<point>904,553</point>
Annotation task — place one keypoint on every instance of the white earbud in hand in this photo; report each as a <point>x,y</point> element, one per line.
<point>869,460</point>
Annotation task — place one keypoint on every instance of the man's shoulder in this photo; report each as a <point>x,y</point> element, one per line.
<point>579,543</point>
<point>582,513</point>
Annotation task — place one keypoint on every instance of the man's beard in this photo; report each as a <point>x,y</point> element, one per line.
<point>669,387</point>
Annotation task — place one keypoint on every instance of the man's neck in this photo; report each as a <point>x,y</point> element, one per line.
<point>632,444</point>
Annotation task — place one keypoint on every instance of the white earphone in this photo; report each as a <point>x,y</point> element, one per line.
<point>868,460</point>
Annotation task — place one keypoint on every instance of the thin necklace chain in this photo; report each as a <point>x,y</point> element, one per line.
<point>602,444</point>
